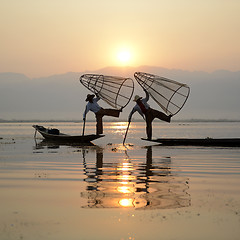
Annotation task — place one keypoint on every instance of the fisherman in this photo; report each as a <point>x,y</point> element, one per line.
<point>93,106</point>
<point>147,113</point>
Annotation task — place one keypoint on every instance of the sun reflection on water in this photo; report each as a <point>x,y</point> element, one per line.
<point>126,202</point>
<point>119,127</point>
<point>127,183</point>
<point>124,189</point>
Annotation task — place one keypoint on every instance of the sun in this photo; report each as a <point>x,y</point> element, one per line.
<point>124,57</point>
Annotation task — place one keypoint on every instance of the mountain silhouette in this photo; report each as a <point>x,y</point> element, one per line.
<point>62,97</point>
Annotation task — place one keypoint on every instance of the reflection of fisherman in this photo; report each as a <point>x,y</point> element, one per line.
<point>93,106</point>
<point>147,113</point>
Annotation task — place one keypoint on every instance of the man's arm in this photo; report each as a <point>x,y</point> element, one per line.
<point>147,95</point>
<point>97,97</point>
<point>135,108</point>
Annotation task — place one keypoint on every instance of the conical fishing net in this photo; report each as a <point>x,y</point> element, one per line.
<point>116,91</point>
<point>168,94</point>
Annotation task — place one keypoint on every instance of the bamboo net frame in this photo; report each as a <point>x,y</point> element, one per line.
<point>170,95</point>
<point>116,91</point>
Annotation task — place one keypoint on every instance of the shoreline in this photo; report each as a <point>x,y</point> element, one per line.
<point>120,120</point>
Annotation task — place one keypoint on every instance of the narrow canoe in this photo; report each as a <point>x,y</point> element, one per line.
<point>224,142</point>
<point>55,135</point>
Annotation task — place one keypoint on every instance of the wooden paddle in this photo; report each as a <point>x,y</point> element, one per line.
<point>126,132</point>
<point>84,121</point>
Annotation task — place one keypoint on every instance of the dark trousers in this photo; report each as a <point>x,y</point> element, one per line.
<point>104,112</point>
<point>150,115</point>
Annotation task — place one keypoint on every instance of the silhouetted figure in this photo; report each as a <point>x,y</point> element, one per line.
<point>147,113</point>
<point>93,106</point>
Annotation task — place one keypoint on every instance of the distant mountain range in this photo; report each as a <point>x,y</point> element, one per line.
<point>61,97</point>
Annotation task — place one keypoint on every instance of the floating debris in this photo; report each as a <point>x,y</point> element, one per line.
<point>77,151</point>
<point>209,138</point>
<point>40,175</point>
<point>130,145</point>
<point>8,142</point>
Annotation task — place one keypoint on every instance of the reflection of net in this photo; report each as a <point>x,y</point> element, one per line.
<point>168,94</point>
<point>116,91</point>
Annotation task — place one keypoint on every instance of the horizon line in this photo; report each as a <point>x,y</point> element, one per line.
<point>120,120</point>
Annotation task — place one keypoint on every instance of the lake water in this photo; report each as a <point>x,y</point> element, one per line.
<point>109,191</point>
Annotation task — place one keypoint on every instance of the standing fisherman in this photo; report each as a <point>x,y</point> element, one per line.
<point>93,106</point>
<point>147,113</point>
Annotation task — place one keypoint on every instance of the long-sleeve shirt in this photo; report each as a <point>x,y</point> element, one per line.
<point>137,108</point>
<point>94,107</point>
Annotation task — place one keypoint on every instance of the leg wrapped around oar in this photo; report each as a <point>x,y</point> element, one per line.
<point>109,112</point>
<point>160,115</point>
<point>99,125</point>
<point>150,115</point>
<point>105,112</point>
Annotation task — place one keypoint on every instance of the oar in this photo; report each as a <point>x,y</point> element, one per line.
<point>35,133</point>
<point>126,132</point>
<point>84,121</point>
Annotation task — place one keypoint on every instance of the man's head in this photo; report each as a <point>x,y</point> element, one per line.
<point>89,97</point>
<point>137,98</point>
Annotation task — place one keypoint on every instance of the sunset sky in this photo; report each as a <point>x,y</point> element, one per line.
<point>41,38</point>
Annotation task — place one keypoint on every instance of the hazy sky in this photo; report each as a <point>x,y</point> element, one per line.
<point>40,38</point>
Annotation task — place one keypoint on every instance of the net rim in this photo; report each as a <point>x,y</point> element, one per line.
<point>183,103</point>
<point>129,99</point>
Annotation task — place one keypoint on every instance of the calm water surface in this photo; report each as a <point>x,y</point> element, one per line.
<point>108,191</point>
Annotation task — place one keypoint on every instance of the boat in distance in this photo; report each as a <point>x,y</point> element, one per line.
<point>221,142</point>
<point>57,136</point>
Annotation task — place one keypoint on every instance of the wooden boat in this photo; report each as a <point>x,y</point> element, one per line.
<point>55,135</point>
<point>221,142</point>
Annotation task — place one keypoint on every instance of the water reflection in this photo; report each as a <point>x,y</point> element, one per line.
<point>53,144</point>
<point>127,183</point>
